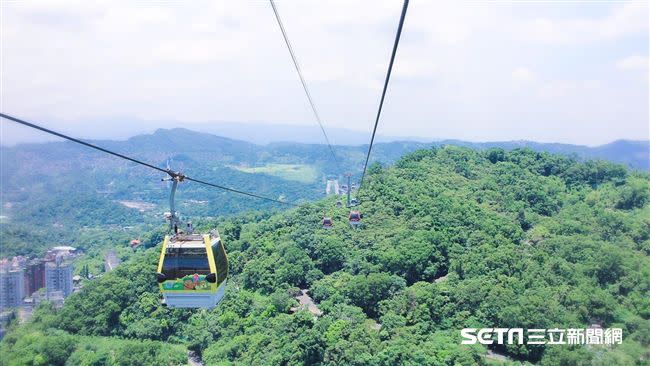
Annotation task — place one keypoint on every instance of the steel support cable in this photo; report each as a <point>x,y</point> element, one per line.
<point>383,93</point>
<point>166,171</point>
<point>303,82</point>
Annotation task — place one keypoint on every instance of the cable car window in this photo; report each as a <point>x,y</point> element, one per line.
<point>180,262</point>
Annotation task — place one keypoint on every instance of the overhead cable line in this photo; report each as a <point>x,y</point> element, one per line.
<point>383,93</point>
<point>303,82</point>
<point>173,174</point>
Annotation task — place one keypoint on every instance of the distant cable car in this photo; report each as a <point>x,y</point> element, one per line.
<point>355,218</point>
<point>327,223</point>
<point>193,268</point>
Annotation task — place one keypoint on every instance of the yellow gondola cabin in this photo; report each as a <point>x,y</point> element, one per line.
<point>192,270</point>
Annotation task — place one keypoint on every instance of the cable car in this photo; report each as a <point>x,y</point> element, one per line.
<point>355,218</point>
<point>192,270</point>
<point>327,223</point>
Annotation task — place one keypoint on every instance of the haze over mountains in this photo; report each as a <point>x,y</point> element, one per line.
<point>634,154</point>
<point>122,129</point>
<point>264,133</point>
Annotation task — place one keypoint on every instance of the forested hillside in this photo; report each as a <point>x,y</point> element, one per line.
<point>451,238</point>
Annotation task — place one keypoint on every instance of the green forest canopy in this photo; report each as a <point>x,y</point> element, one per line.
<point>451,238</point>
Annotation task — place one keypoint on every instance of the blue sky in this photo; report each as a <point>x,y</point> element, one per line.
<point>551,71</point>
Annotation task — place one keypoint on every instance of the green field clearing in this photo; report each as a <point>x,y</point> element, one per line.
<point>296,172</point>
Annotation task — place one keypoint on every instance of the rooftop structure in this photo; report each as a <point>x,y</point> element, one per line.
<point>62,250</point>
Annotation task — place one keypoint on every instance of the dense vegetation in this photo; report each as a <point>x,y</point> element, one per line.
<point>451,238</point>
<point>33,346</point>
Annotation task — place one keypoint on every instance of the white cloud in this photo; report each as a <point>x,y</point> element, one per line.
<point>625,19</point>
<point>523,74</point>
<point>412,67</point>
<point>635,62</point>
<point>218,60</point>
<point>567,88</point>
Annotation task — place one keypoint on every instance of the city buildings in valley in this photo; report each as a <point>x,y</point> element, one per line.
<point>34,276</point>
<point>21,278</point>
<point>12,287</point>
<point>58,277</point>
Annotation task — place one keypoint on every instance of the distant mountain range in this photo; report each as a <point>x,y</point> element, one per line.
<point>265,133</point>
<point>634,152</point>
<point>238,137</point>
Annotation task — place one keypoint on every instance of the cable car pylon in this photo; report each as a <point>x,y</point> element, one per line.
<point>355,216</point>
<point>351,201</point>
